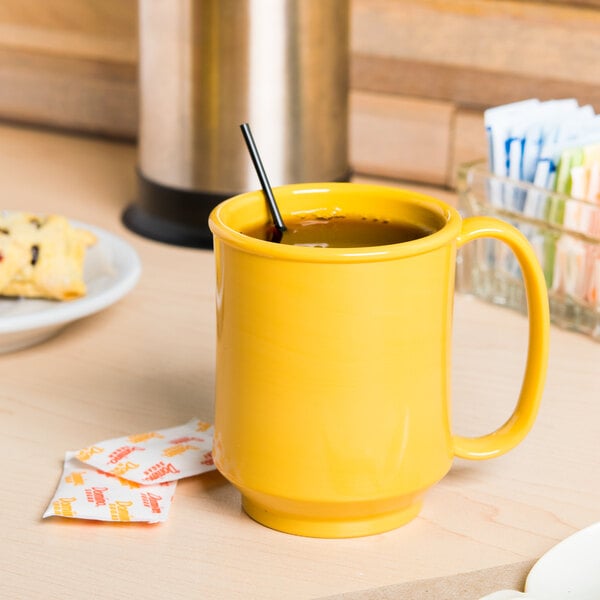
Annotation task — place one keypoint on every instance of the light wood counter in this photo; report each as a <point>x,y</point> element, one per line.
<point>147,362</point>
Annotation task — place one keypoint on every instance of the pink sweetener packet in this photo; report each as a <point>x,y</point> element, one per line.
<point>87,493</point>
<point>155,456</point>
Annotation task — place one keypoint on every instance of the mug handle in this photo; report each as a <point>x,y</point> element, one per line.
<point>520,422</point>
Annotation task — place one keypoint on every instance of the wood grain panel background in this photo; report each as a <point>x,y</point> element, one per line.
<point>422,71</point>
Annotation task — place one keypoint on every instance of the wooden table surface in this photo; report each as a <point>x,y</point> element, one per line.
<point>148,362</point>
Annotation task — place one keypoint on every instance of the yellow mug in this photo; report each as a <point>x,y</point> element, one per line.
<point>332,408</point>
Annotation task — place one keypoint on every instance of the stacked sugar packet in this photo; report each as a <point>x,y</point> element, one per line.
<point>132,478</point>
<point>553,146</point>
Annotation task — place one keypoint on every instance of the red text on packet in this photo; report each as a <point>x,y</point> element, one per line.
<point>96,495</point>
<point>160,469</point>
<point>120,453</point>
<point>151,501</point>
<point>186,438</point>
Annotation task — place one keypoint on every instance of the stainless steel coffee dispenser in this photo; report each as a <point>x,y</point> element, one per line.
<point>206,66</point>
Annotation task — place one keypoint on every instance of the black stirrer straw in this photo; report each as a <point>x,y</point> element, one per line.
<point>264,182</point>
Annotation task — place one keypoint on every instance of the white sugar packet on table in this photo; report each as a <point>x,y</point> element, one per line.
<point>155,456</point>
<point>132,478</point>
<point>87,493</point>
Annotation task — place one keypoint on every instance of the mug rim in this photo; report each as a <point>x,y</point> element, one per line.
<point>218,224</point>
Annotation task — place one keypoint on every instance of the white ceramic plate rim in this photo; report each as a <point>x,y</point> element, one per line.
<point>121,259</point>
<point>571,569</point>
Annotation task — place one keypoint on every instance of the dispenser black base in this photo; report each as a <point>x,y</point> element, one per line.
<point>173,216</point>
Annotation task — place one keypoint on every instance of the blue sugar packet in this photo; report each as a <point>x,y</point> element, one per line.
<point>499,122</point>
<point>517,134</point>
<point>538,143</point>
<point>541,127</point>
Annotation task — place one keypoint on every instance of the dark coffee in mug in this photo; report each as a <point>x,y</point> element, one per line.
<point>341,231</point>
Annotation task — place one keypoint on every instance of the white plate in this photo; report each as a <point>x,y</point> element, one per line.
<point>570,570</point>
<point>111,269</point>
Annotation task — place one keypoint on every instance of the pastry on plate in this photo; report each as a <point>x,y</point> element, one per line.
<point>42,257</point>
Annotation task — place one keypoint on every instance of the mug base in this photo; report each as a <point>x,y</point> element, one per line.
<point>331,527</point>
